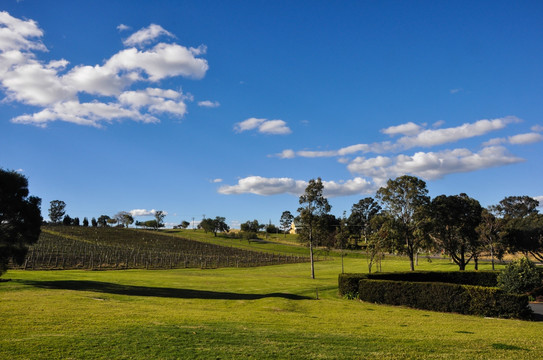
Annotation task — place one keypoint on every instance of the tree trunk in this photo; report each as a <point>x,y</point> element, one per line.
<point>311,257</point>
<point>411,261</point>
<point>492,256</point>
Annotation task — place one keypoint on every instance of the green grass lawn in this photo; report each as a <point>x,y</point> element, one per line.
<point>260,313</point>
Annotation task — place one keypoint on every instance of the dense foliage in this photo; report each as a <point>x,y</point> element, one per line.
<point>520,276</point>
<point>20,218</point>
<point>463,299</point>
<point>348,283</point>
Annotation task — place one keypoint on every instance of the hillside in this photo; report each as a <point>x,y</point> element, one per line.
<point>65,247</point>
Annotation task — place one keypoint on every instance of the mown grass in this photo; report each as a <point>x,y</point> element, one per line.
<point>256,313</point>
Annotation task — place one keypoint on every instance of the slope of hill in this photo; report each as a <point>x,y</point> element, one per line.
<point>65,247</point>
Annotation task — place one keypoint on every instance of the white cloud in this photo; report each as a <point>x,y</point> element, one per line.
<point>146,35</point>
<point>16,34</point>
<point>428,138</point>
<point>25,79</point>
<point>264,126</point>
<point>265,186</point>
<point>409,128</point>
<point>421,138</point>
<point>217,181</point>
<point>123,27</point>
<point>540,199</point>
<point>156,100</point>
<point>354,186</point>
<point>209,104</point>
<point>144,212</point>
<point>528,138</point>
<point>454,91</point>
<point>90,114</point>
<point>537,128</point>
<point>432,165</point>
<point>520,139</point>
<point>286,154</point>
<point>161,61</point>
<point>273,186</point>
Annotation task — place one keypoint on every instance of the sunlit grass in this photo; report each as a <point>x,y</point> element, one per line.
<point>265,312</point>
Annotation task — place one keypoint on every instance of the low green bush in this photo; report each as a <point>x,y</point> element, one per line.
<point>463,299</point>
<point>520,276</point>
<point>478,278</point>
<point>348,283</point>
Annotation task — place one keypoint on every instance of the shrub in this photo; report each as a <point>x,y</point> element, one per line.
<point>520,276</point>
<point>348,284</point>
<point>479,278</point>
<point>463,299</point>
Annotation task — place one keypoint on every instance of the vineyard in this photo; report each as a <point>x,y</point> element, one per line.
<point>91,248</point>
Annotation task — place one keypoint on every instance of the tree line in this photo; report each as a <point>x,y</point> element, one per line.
<point>58,216</point>
<point>403,219</point>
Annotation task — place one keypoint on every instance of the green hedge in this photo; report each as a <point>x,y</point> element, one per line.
<point>348,283</point>
<point>463,299</point>
<point>477,278</point>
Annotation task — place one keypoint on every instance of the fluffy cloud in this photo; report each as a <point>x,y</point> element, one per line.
<point>209,104</point>
<point>264,126</point>
<point>429,138</point>
<point>432,165</point>
<point>273,186</point>
<point>91,114</point>
<point>144,212</point>
<point>265,186</point>
<point>404,129</point>
<point>155,100</point>
<point>123,27</point>
<point>27,80</point>
<point>146,35</point>
<point>415,136</point>
<point>528,138</point>
<point>16,34</point>
<point>161,61</point>
<point>520,139</point>
<point>540,199</point>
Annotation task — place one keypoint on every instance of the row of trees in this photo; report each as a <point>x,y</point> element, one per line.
<point>57,215</point>
<point>404,219</point>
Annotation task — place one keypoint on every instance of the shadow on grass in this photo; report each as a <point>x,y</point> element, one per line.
<point>111,288</point>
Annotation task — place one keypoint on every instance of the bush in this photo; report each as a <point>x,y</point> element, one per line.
<point>463,299</point>
<point>520,276</point>
<point>476,278</point>
<point>348,283</point>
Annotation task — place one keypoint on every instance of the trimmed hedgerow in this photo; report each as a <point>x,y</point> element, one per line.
<point>463,299</point>
<point>348,283</point>
<point>477,278</point>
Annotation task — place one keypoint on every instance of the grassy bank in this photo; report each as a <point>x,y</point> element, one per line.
<point>265,312</point>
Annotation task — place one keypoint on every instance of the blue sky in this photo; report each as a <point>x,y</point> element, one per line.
<point>228,108</point>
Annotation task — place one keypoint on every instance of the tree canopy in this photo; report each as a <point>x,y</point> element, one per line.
<point>455,220</point>
<point>405,199</point>
<point>20,218</point>
<point>313,207</point>
<point>57,211</point>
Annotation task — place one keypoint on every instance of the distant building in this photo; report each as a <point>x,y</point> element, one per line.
<point>295,227</point>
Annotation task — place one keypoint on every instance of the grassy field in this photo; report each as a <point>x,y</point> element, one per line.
<point>259,313</point>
